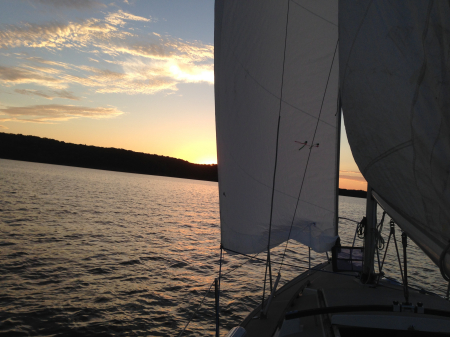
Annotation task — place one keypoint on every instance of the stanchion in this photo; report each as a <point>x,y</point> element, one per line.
<point>216,293</point>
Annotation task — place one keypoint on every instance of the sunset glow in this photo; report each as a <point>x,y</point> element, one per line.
<point>352,180</point>
<point>135,75</point>
<point>129,74</point>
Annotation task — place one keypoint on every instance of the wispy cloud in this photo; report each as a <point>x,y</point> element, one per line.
<point>107,81</point>
<point>3,127</point>
<point>351,175</point>
<point>51,113</point>
<point>50,95</point>
<point>57,35</point>
<point>149,63</point>
<point>19,75</point>
<point>118,18</point>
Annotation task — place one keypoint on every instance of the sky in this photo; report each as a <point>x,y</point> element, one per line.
<point>131,74</point>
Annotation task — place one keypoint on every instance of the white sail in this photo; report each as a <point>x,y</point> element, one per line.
<point>395,89</point>
<point>276,59</point>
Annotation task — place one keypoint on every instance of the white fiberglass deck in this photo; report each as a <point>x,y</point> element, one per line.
<point>322,291</point>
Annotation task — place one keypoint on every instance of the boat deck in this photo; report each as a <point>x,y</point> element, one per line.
<point>331,294</point>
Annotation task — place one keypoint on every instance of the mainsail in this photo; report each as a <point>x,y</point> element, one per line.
<point>276,90</point>
<point>395,91</point>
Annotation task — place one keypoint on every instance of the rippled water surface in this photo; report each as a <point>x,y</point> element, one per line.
<point>99,253</point>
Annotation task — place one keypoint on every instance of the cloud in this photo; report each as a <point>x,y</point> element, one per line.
<point>107,81</point>
<point>48,62</point>
<point>57,35</point>
<point>3,127</point>
<point>77,4</point>
<point>19,75</point>
<point>55,112</point>
<point>118,18</point>
<point>164,49</point>
<point>152,63</point>
<point>351,175</point>
<point>56,94</point>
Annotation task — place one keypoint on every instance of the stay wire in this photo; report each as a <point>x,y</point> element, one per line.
<point>309,154</point>
<point>290,265</point>
<point>276,161</point>
<point>209,289</point>
<point>198,308</point>
<point>250,258</point>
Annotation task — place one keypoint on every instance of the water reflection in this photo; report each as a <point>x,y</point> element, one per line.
<point>95,252</point>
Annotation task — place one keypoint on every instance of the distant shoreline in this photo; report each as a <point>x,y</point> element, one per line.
<point>50,151</point>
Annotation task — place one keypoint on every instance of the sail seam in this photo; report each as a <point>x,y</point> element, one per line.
<point>271,93</point>
<point>309,155</point>
<point>269,187</point>
<point>353,44</point>
<point>321,17</point>
<point>387,153</point>
<point>423,69</point>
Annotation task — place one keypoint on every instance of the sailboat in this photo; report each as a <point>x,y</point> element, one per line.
<point>284,72</point>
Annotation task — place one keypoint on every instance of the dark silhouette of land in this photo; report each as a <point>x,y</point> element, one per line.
<point>352,193</point>
<point>50,151</point>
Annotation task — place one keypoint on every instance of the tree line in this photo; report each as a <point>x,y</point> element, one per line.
<point>50,151</point>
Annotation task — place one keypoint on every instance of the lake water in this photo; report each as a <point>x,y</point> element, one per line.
<point>99,253</point>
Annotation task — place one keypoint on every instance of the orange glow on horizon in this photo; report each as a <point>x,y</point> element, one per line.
<point>198,152</point>
<point>207,161</point>
<point>352,180</point>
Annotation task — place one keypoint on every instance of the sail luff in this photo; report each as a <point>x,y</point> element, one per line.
<point>430,244</point>
<point>395,80</point>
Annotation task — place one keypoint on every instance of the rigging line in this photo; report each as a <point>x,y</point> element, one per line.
<point>251,258</point>
<point>398,258</point>
<point>220,276</point>
<point>287,264</point>
<point>269,187</point>
<point>309,153</point>
<point>267,90</point>
<point>258,259</point>
<point>276,157</point>
<point>349,219</point>
<point>195,312</point>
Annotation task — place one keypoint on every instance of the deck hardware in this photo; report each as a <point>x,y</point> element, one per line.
<point>396,307</point>
<point>408,307</point>
<point>405,268</point>
<point>420,309</point>
<point>269,300</point>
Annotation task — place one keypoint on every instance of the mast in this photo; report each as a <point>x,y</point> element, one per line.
<point>369,238</point>
<point>338,160</point>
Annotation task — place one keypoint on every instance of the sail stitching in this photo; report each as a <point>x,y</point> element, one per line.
<point>321,17</point>
<point>309,155</point>
<point>387,153</point>
<point>270,187</point>
<point>271,93</point>
<point>353,44</point>
<point>423,68</point>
